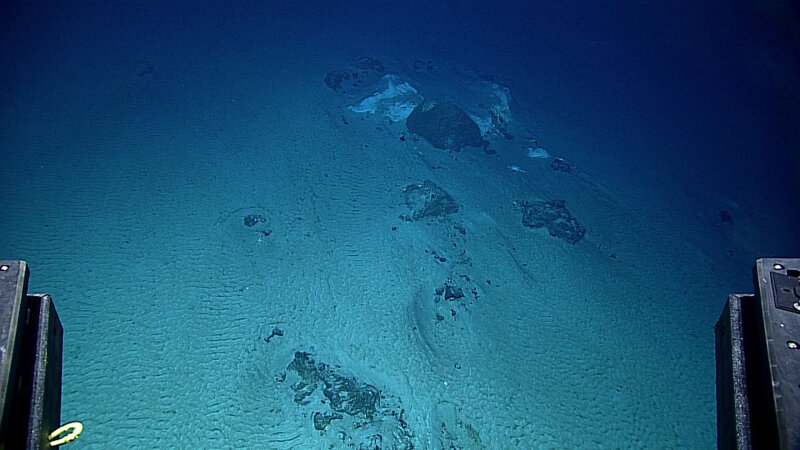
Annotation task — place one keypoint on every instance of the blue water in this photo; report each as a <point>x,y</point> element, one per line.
<point>138,137</point>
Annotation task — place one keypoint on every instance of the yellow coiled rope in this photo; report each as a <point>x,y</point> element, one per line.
<point>73,429</point>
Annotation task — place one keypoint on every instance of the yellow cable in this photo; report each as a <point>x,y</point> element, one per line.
<point>74,429</point>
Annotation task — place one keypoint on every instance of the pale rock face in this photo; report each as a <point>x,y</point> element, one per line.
<point>484,123</point>
<point>500,108</point>
<point>495,115</point>
<point>538,152</point>
<point>394,100</point>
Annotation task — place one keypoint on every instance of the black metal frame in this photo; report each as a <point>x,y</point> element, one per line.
<point>31,337</point>
<point>758,361</point>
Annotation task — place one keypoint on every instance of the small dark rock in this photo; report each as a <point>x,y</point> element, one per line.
<point>423,65</point>
<point>275,332</point>
<point>368,63</point>
<point>335,78</point>
<point>559,165</point>
<point>394,228</point>
<point>146,68</point>
<point>452,292</point>
<point>323,420</point>
<point>252,220</point>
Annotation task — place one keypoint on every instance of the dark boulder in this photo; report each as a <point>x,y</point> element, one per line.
<point>553,215</point>
<point>369,64</point>
<point>335,79</point>
<point>445,126</point>
<point>453,292</point>
<point>560,165</point>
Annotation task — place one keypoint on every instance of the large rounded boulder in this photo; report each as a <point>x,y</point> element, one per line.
<point>445,126</point>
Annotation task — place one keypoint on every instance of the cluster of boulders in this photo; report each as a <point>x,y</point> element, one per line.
<point>354,408</point>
